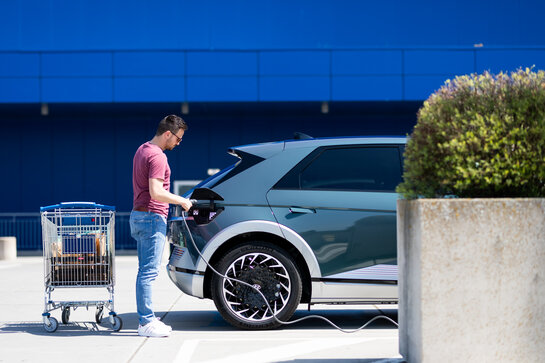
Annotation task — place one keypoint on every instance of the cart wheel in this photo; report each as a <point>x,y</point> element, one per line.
<point>118,323</point>
<point>98,314</point>
<point>53,325</point>
<point>65,317</point>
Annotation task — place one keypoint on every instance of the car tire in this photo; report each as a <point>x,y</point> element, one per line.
<point>265,266</point>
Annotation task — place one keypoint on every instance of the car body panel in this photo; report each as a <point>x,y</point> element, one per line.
<point>183,272</point>
<point>347,292</point>
<point>335,223</point>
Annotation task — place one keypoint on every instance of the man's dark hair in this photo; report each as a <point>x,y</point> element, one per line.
<point>171,123</point>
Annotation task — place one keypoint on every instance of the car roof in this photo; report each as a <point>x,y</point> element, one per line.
<point>346,140</point>
<point>268,149</point>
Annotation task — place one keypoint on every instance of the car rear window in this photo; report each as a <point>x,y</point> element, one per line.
<point>246,161</point>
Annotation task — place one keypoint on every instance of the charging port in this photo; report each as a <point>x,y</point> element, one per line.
<point>205,208</point>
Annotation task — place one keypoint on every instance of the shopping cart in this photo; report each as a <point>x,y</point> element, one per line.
<point>79,252</point>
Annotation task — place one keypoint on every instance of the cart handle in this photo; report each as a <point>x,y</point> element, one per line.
<point>85,205</point>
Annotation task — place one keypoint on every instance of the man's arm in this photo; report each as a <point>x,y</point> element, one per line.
<point>158,193</point>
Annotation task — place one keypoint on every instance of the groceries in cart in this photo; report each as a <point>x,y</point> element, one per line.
<point>79,250</point>
<point>79,259</point>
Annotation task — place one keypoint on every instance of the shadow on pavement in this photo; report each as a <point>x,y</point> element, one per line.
<point>206,320</point>
<point>345,319</point>
<point>73,329</point>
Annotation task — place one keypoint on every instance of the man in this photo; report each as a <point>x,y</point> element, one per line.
<point>151,185</point>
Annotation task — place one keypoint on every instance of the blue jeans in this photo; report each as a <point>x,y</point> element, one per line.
<point>149,231</point>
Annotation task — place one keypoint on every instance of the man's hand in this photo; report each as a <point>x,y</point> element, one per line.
<point>186,204</point>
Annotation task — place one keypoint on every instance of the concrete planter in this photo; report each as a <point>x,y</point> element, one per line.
<point>8,248</point>
<point>471,280</point>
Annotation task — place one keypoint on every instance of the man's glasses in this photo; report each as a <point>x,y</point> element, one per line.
<point>179,138</point>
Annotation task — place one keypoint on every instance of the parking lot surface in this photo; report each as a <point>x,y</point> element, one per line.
<point>199,333</point>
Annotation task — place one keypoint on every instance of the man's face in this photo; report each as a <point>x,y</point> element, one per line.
<point>174,139</point>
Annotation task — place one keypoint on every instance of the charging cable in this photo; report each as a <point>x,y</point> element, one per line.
<point>267,302</point>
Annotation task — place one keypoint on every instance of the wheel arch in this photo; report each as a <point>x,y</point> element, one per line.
<point>233,242</point>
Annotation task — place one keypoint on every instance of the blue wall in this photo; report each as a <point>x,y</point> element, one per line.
<point>194,51</point>
<point>60,25</point>
<point>242,76</point>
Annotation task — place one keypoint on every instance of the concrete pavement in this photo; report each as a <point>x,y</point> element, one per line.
<point>199,332</point>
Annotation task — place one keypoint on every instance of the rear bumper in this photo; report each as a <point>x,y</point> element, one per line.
<point>182,271</point>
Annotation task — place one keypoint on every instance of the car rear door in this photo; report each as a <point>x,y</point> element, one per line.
<point>342,201</point>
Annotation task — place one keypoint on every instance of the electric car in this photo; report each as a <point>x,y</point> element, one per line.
<point>299,221</point>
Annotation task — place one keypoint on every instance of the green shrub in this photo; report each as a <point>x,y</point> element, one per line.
<point>479,136</point>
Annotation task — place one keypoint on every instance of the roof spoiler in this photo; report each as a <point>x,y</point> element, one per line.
<point>301,136</point>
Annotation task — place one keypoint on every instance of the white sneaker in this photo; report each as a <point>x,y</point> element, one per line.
<point>159,322</point>
<point>154,329</point>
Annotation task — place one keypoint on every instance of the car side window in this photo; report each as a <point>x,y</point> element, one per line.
<point>354,168</point>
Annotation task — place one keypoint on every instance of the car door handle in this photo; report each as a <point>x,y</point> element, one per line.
<point>302,210</point>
